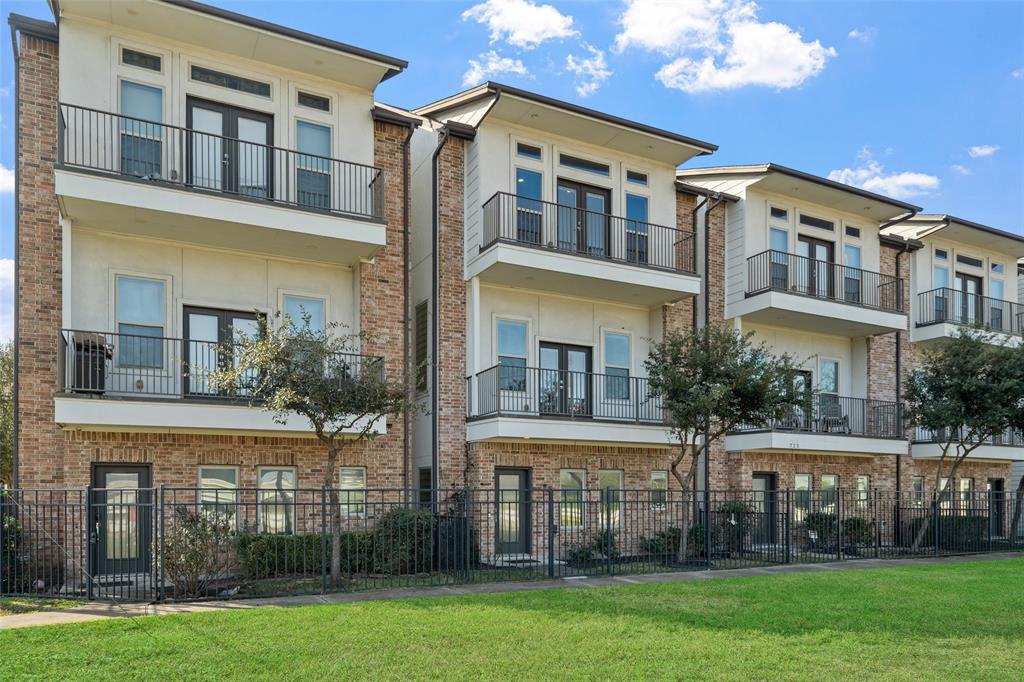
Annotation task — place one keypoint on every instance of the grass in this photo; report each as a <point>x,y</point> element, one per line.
<point>12,606</point>
<point>953,621</point>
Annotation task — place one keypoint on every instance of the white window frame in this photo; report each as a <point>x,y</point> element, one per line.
<point>528,164</point>
<point>260,490</point>
<point>917,497</point>
<point>296,293</point>
<point>321,115</point>
<point>604,363</point>
<point>495,319</point>
<point>168,282</point>
<point>839,369</point>
<point>662,505</point>
<point>234,494</point>
<point>347,503</point>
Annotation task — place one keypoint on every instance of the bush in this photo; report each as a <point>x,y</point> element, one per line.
<point>603,546</point>
<point>11,532</point>
<point>276,556</point>
<point>956,533</point>
<point>823,525</point>
<point>404,539</point>
<point>195,551</point>
<point>858,531</point>
<point>733,525</point>
<point>457,548</point>
<point>663,543</point>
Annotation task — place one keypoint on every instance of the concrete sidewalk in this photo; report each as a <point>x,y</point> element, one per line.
<point>102,610</point>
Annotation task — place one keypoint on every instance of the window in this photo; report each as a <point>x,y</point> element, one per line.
<point>945,493</point>
<point>941,277</point>
<point>352,491</point>
<point>313,166</point>
<point>802,486</point>
<point>917,497</point>
<point>863,490</point>
<point>512,355</point>
<point>828,377</point>
<point>636,177</point>
<point>778,242</point>
<point>779,214</point>
<point>218,494</point>
<point>611,483</point>
<point>637,229</point>
<point>312,101</point>
<point>997,267</point>
<point>852,231</point>
<point>421,325</point>
<point>966,494</point>
<point>941,254</point>
<point>819,223</point>
<point>852,275</point>
<point>583,164</point>
<point>529,210</point>
<point>425,484</point>
<point>226,80</point>
<point>528,151</point>
<point>140,322</point>
<point>968,260</point>
<point>829,488</point>
<point>142,110</point>
<point>571,499</point>
<point>140,59</point>
<point>659,490</point>
<point>276,502</point>
<point>617,361</point>
<point>304,312</point>
<point>995,288</point>
<point>997,305</point>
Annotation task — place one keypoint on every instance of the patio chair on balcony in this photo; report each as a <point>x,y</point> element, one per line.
<point>832,418</point>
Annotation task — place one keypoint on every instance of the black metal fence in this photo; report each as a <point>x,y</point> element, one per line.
<point>974,310</point>
<point>827,413</point>
<point>788,272</point>
<point>141,366</point>
<point>594,234</point>
<point>188,158</point>
<point>535,392</point>
<point>207,543</point>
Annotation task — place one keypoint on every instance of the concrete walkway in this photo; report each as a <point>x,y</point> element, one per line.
<point>102,610</point>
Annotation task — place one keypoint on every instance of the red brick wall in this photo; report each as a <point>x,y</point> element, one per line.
<point>39,266</point>
<point>786,465</point>
<point>881,350</point>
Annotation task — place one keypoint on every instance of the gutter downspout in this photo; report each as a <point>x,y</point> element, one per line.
<point>17,256</point>
<point>407,310</point>
<point>693,221</point>
<point>435,423</point>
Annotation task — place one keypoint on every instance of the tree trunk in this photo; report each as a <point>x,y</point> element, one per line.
<point>684,483</point>
<point>937,497</point>
<point>1018,508</point>
<point>329,483</point>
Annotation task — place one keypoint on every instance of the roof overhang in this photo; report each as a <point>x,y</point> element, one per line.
<point>38,28</point>
<point>556,117</point>
<point>240,35</point>
<point>968,232</point>
<point>771,177</point>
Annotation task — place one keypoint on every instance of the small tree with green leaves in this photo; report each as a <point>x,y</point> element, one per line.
<point>964,392</point>
<point>293,369</point>
<point>6,413</point>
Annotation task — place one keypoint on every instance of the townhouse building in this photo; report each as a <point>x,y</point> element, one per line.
<point>552,244</point>
<point>183,171</point>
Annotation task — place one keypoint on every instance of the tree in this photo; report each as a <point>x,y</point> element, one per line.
<point>715,379</point>
<point>6,414</point>
<point>294,369</point>
<point>965,391</point>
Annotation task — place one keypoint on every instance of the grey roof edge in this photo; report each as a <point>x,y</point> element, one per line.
<point>704,191</point>
<point>30,26</point>
<point>397,65</point>
<point>801,175</point>
<point>492,88</point>
<point>388,115</point>
<point>945,217</point>
<point>910,244</point>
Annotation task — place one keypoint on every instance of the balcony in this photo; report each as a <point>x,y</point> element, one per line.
<point>140,177</point>
<point>543,245</point>
<point>531,402</point>
<point>815,295</point>
<point>111,380</point>
<point>940,312</point>
<point>1006,446</point>
<point>829,423</point>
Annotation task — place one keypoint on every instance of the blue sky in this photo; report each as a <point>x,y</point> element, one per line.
<point>920,100</point>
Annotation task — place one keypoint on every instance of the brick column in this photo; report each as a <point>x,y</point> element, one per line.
<point>38,297</point>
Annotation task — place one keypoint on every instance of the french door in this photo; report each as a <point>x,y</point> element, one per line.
<point>565,380</point>
<point>209,335</point>
<point>816,271</point>
<point>583,223</point>
<point>121,518</point>
<point>968,306</point>
<point>229,149</point>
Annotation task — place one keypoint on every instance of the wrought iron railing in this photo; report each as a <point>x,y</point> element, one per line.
<point>827,413</point>
<point>185,158</point>
<point>144,367</point>
<point>512,391</point>
<point>1010,438</point>
<point>959,307</point>
<point>567,229</point>
<point>790,273</point>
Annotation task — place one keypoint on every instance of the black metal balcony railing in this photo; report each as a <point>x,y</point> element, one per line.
<point>959,307</point>
<point>510,391</point>
<point>180,157</point>
<point>567,229</point>
<point>790,273</point>
<point>827,413</point>
<point>154,367</point>
<point>1011,438</point>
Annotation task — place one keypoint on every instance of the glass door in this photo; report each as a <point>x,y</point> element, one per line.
<point>229,149</point>
<point>209,336</point>
<point>512,520</point>
<point>816,275</point>
<point>121,519</point>
<point>764,508</point>
<point>583,218</point>
<point>565,380</point>
<point>968,290</point>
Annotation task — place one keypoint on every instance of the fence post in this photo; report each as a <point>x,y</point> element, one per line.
<point>161,534</point>
<point>323,540</point>
<point>989,515</point>
<point>5,568</point>
<point>878,524</point>
<point>90,541</point>
<point>552,532</point>
<point>839,524</point>
<point>789,524</point>
<point>936,535</point>
<point>708,524</point>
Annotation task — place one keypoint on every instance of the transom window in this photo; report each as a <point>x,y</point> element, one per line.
<point>529,151</point>
<point>997,267</point>
<point>819,223</point>
<point>232,82</point>
<point>779,214</point>
<point>617,363</point>
<point>352,484</point>
<point>941,254</point>
<point>276,507</point>
<point>969,260</point>
<point>573,484</point>
<point>512,354</point>
<point>303,311</point>
<point>636,177</point>
<point>852,231</point>
<point>584,165</point>
<point>312,101</point>
<point>140,321</point>
<point>140,59</point>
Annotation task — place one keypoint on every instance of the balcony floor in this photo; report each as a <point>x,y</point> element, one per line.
<point>814,443</point>
<point>561,430</point>
<point>807,313</point>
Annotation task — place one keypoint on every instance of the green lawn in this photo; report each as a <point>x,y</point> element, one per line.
<point>960,621</point>
<point>11,606</point>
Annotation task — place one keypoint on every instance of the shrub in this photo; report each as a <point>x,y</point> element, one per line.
<point>276,556</point>
<point>956,532</point>
<point>195,551</point>
<point>11,532</point>
<point>663,543</point>
<point>603,546</point>
<point>403,541</point>
<point>734,522</point>
<point>823,525</point>
<point>858,531</point>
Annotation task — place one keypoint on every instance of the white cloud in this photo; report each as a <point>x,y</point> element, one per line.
<point>1017,73</point>
<point>719,45</point>
<point>491,64</point>
<point>6,179</point>
<point>982,150</point>
<point>961,169</point>
<point>864,35</point>
<point>6,299</point>
<point>521,23</point>
<point>872,176</point>
<point>591,73</point>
